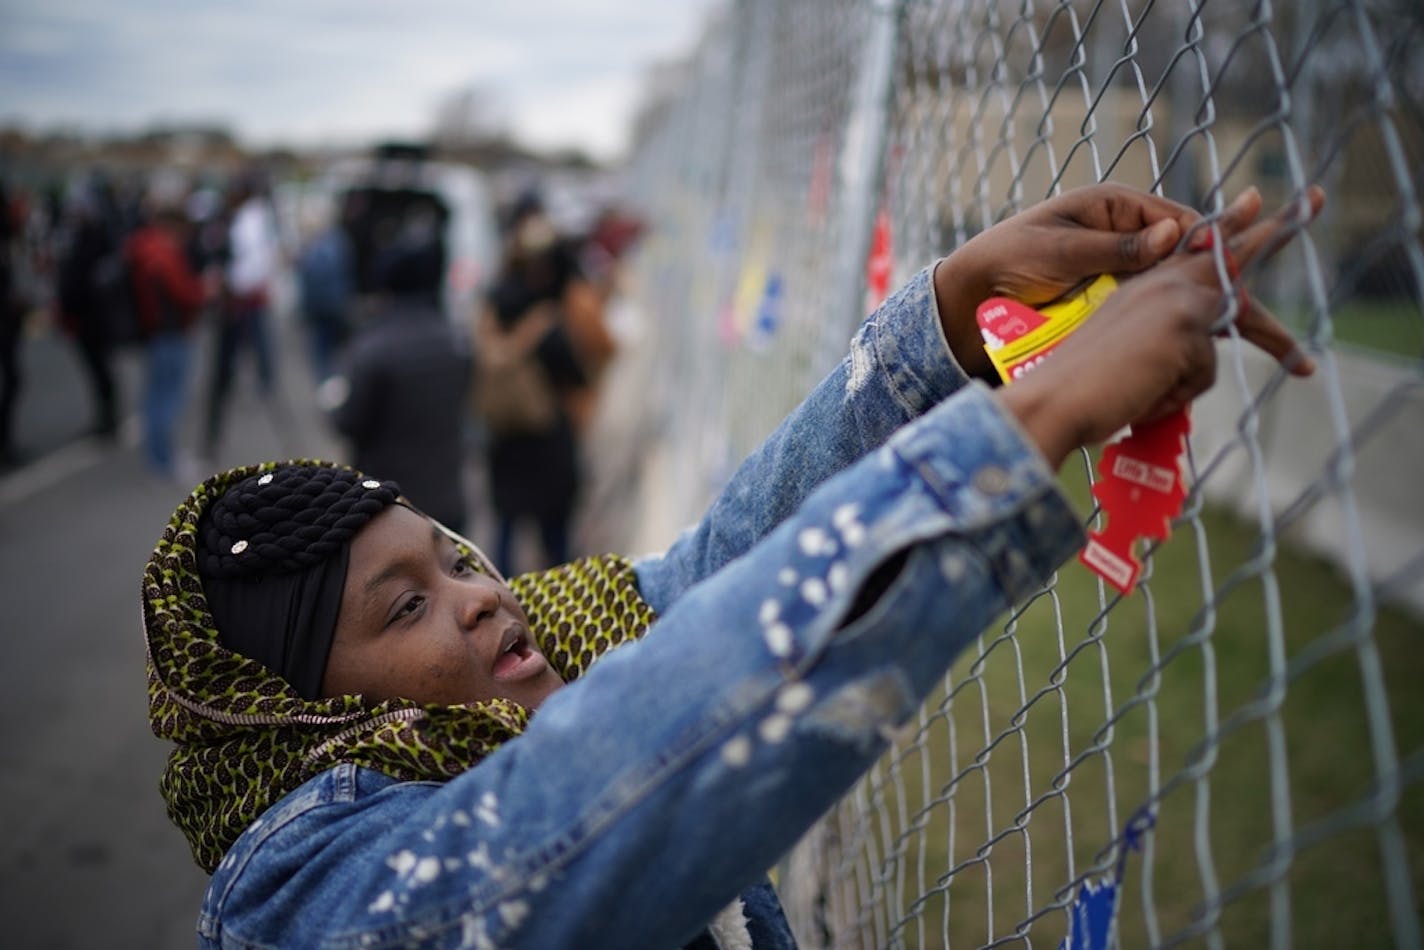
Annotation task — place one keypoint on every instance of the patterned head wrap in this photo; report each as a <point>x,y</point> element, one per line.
<point>243,735</point>
<point>272,553</point>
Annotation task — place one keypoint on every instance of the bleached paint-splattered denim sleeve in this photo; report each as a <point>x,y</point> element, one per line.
<point>646,795</point>
<point>898,368</point>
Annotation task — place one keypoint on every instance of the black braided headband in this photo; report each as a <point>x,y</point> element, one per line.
<point>285,520</point>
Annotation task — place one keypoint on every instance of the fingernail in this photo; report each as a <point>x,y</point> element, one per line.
<point>1200,241</point>
<point>1299,363</point>
<point>1160,237</point>
<point>1242,200</point>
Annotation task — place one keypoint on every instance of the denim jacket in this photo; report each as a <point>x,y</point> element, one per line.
<point>882,526</point>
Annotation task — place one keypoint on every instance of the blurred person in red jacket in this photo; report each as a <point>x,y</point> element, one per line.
<point>168,296</point>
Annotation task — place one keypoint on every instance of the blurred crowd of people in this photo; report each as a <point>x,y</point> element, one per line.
<point>522,372</point>
<point>139,265</point>
<point>416,392</point>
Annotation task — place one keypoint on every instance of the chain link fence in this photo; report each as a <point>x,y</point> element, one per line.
<point>1232,755</point>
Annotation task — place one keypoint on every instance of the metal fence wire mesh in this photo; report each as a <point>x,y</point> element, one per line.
<point>1240,742</point>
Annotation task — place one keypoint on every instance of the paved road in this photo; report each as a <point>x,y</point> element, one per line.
<point>89,857</point>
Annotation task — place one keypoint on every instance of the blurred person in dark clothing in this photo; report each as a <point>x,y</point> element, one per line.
<point>168,296</point>
<point>326,274</point>
<point>253,255</point>
<point>407,383</point>
<point>89,286</point>
<point>533,464</point>
<point>12,313</point>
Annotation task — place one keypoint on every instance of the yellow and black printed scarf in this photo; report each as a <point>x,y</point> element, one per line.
<point>242,736</point>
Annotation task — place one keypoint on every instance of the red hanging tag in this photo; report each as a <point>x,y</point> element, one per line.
<point>1141,491</point>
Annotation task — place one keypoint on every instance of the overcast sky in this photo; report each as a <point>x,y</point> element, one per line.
<point>568,72</point>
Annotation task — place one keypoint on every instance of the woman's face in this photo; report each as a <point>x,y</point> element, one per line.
<point>418,622</point>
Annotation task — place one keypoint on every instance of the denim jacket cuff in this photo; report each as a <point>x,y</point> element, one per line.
<point>909,346</point>
<point>1009,502</point>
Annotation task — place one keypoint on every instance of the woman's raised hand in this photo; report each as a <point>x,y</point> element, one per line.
<point>1044,251</point>
<point>1148,350</point>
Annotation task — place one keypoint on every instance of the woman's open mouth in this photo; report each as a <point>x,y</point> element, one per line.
<point>517,657</point>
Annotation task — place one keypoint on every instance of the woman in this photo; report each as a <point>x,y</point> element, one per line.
<point>532,449</point>
<point>381,742</point>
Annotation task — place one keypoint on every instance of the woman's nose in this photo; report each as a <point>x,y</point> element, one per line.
<point>478,601</point>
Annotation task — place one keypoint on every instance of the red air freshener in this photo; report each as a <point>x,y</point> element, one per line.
<point>1140,492</point>
<point>1140,488</point>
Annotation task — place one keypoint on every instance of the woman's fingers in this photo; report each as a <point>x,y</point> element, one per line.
<point>1123,230</point>
<point>1259,240</point>
<point>1258,326</point>
<point>1267,237</point>
<point>1090,253</point>
<point>1109,207</point>
<point>1234,219</point>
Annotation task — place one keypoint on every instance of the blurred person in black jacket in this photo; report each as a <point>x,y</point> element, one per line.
<point>12,313</point>
<point>403,397</point>
<point>90,283</point>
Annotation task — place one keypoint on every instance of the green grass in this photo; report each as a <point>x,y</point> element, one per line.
<point>1335,888</point>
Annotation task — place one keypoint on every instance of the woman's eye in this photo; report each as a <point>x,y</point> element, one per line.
<point>465,565</point>
<point>411,605</point>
